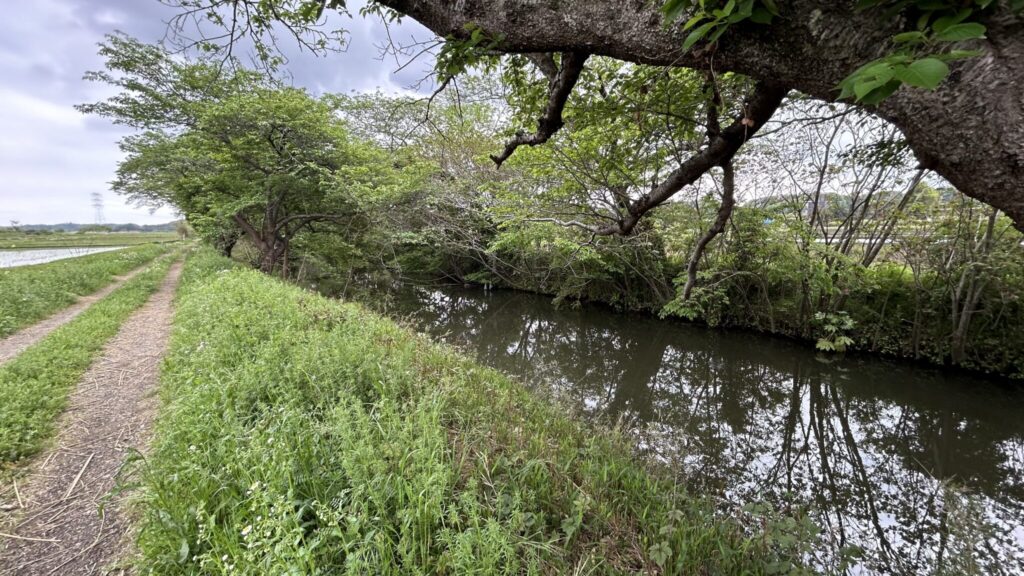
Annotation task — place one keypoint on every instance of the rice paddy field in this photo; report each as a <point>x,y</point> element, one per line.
<point>10,240</point>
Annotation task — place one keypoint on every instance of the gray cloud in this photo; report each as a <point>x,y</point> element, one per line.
<point>52,158</point>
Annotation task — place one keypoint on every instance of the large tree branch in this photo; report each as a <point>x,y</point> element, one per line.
<point>304,219</point>
<point>248,228</point>
<point>970,130</point>
<point>721,148</point>
<point>559,88</point>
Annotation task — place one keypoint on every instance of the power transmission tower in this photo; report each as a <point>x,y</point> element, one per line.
<point>97,205</point>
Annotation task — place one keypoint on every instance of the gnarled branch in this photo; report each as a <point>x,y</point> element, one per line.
<point>721,148</point>
<point>559,88</point>
<point>724,213</point>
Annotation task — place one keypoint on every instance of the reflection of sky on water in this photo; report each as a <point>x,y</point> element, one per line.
<point>12,258</point>
<point>924,470</point>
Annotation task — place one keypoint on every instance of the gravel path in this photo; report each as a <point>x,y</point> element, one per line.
<point>17,343</point>
<point>68,522</point>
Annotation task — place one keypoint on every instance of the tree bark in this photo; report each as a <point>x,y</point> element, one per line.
<point>970,130</point>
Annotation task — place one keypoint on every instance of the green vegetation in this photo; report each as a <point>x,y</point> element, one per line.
<point>302,435</point>
<point>819,228</point>
<point>237,153</point>
<point>34,386</point>
<point>13,240</point>
<point>30,293</point>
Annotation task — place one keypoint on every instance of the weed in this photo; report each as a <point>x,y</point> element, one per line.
<point>302,435</point>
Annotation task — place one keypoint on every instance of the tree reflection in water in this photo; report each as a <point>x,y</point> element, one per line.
<point>923,470</point>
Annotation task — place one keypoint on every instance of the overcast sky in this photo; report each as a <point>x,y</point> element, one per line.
<point>52,158</point>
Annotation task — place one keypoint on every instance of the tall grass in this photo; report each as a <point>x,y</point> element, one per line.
<point>30,293</point>
<point>301,435</point>
<point>34,386</point>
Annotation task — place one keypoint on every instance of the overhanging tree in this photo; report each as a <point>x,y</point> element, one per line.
<point>946,72</point>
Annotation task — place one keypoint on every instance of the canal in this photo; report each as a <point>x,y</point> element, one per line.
<point>919,469</point>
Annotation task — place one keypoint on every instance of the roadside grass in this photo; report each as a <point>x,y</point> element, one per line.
<point>303,435</point>
<point>19,240</point>
<point>34,385</point>
<point>31,293</point>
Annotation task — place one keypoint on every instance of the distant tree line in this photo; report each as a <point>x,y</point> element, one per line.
<point>75,227</point>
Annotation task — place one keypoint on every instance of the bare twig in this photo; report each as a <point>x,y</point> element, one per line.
<point>79,477</point>
<point>17,494</point>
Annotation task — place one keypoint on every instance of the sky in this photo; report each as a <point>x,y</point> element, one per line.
<point>52,158</point>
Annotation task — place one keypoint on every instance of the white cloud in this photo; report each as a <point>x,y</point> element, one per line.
<point>52,158</point>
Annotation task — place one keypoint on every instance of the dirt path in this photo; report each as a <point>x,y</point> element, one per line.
<point>16,343</point>
<point>62,530</point>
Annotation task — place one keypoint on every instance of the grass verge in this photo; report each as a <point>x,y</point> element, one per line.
<point>302,435</point>
<point>34,386</point>
<point>31,293</point>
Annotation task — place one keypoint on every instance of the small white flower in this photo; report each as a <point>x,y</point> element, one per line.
<point>247,530</point>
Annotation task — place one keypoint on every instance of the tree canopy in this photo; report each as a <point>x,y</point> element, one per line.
<point>946,73</point>
<point>234,152</point>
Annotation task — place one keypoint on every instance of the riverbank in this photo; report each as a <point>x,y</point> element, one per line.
<point>302,434</point>
<point>914,465</point>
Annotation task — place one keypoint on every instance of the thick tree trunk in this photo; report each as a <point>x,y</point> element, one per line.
<point>970,130</point>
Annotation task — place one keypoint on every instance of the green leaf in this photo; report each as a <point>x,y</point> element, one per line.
<point>924,73</point>
<point>673,9</point>
<point>698,33</point>
<point>880,93</point>
<point>909,38</point>
<point>761,15</point>
<point>947,21</point>
<point>958,55</point>
<point>958,32</point>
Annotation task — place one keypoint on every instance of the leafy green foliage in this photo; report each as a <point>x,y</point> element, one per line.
<point>920,56</point>
<point>31,293</point>
<point>303,435</point>
<point>833,329</point>
<point>34,386</point>
<point>460,54</point>
<point>711,18</point>
<point>236,153</point>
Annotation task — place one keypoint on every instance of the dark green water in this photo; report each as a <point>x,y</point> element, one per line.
<point>922,469</point>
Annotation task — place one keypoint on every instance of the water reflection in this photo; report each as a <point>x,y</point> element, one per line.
<point>29,256</point>
<point>923,470</point>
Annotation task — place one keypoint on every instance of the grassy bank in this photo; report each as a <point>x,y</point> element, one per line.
<point>31,293</point>
<point>21,240</point>
<point>302,435</point>
<point>34,386</point>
